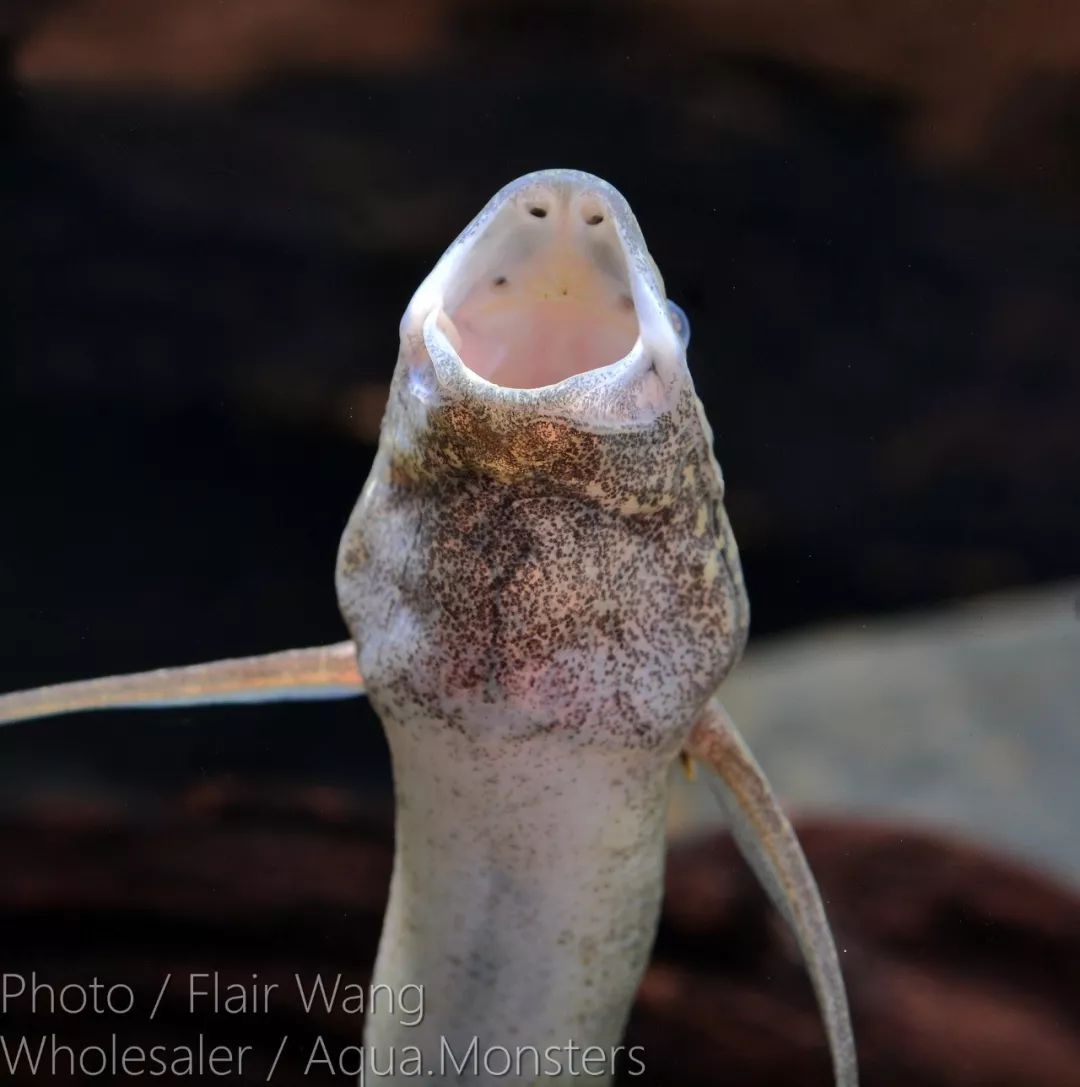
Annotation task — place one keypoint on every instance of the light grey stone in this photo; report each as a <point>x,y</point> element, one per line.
<point>967,719</point>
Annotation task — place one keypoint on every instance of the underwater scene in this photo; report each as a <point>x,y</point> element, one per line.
<point>603,483</point>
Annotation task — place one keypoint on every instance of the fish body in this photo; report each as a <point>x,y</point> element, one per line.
<point>544,591</point>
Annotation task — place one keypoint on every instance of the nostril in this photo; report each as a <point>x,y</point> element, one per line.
<point>592,211</point>
<point>538,212</point>
<point>499,281</point>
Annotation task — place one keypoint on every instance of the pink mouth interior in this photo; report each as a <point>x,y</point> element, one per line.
<point>547,306</point>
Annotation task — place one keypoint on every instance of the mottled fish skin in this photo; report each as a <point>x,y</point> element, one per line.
<point>542,607</point>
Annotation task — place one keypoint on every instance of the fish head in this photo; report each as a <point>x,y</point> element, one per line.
<point>543,334</point>
<point>545,511</point>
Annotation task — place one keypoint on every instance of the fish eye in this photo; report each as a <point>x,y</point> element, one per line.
<point>681,322</point>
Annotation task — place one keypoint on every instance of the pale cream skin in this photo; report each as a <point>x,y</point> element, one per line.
<point>544,594</point>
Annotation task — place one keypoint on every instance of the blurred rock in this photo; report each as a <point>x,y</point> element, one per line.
<point>965,719</point>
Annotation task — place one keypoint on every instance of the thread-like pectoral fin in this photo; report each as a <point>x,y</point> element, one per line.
<point>327,671</point>
<point>767,841</point>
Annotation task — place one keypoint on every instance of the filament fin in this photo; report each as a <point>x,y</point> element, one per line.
<point>767,841</point>
<point>327,671</point>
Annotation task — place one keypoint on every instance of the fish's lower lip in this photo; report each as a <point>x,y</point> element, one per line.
<point>632,391</point>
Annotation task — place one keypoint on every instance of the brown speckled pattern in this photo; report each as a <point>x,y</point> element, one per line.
<point>541,612</point>
<point>588,580</point>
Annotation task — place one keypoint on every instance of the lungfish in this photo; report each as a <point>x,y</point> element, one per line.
<point>544,595</point>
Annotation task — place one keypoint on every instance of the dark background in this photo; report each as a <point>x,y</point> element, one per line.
<point>219,211</point>
<point>216,213</point>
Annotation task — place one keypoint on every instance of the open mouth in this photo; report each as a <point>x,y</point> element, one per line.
<point>544,295</point>
<point>550,282</point>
